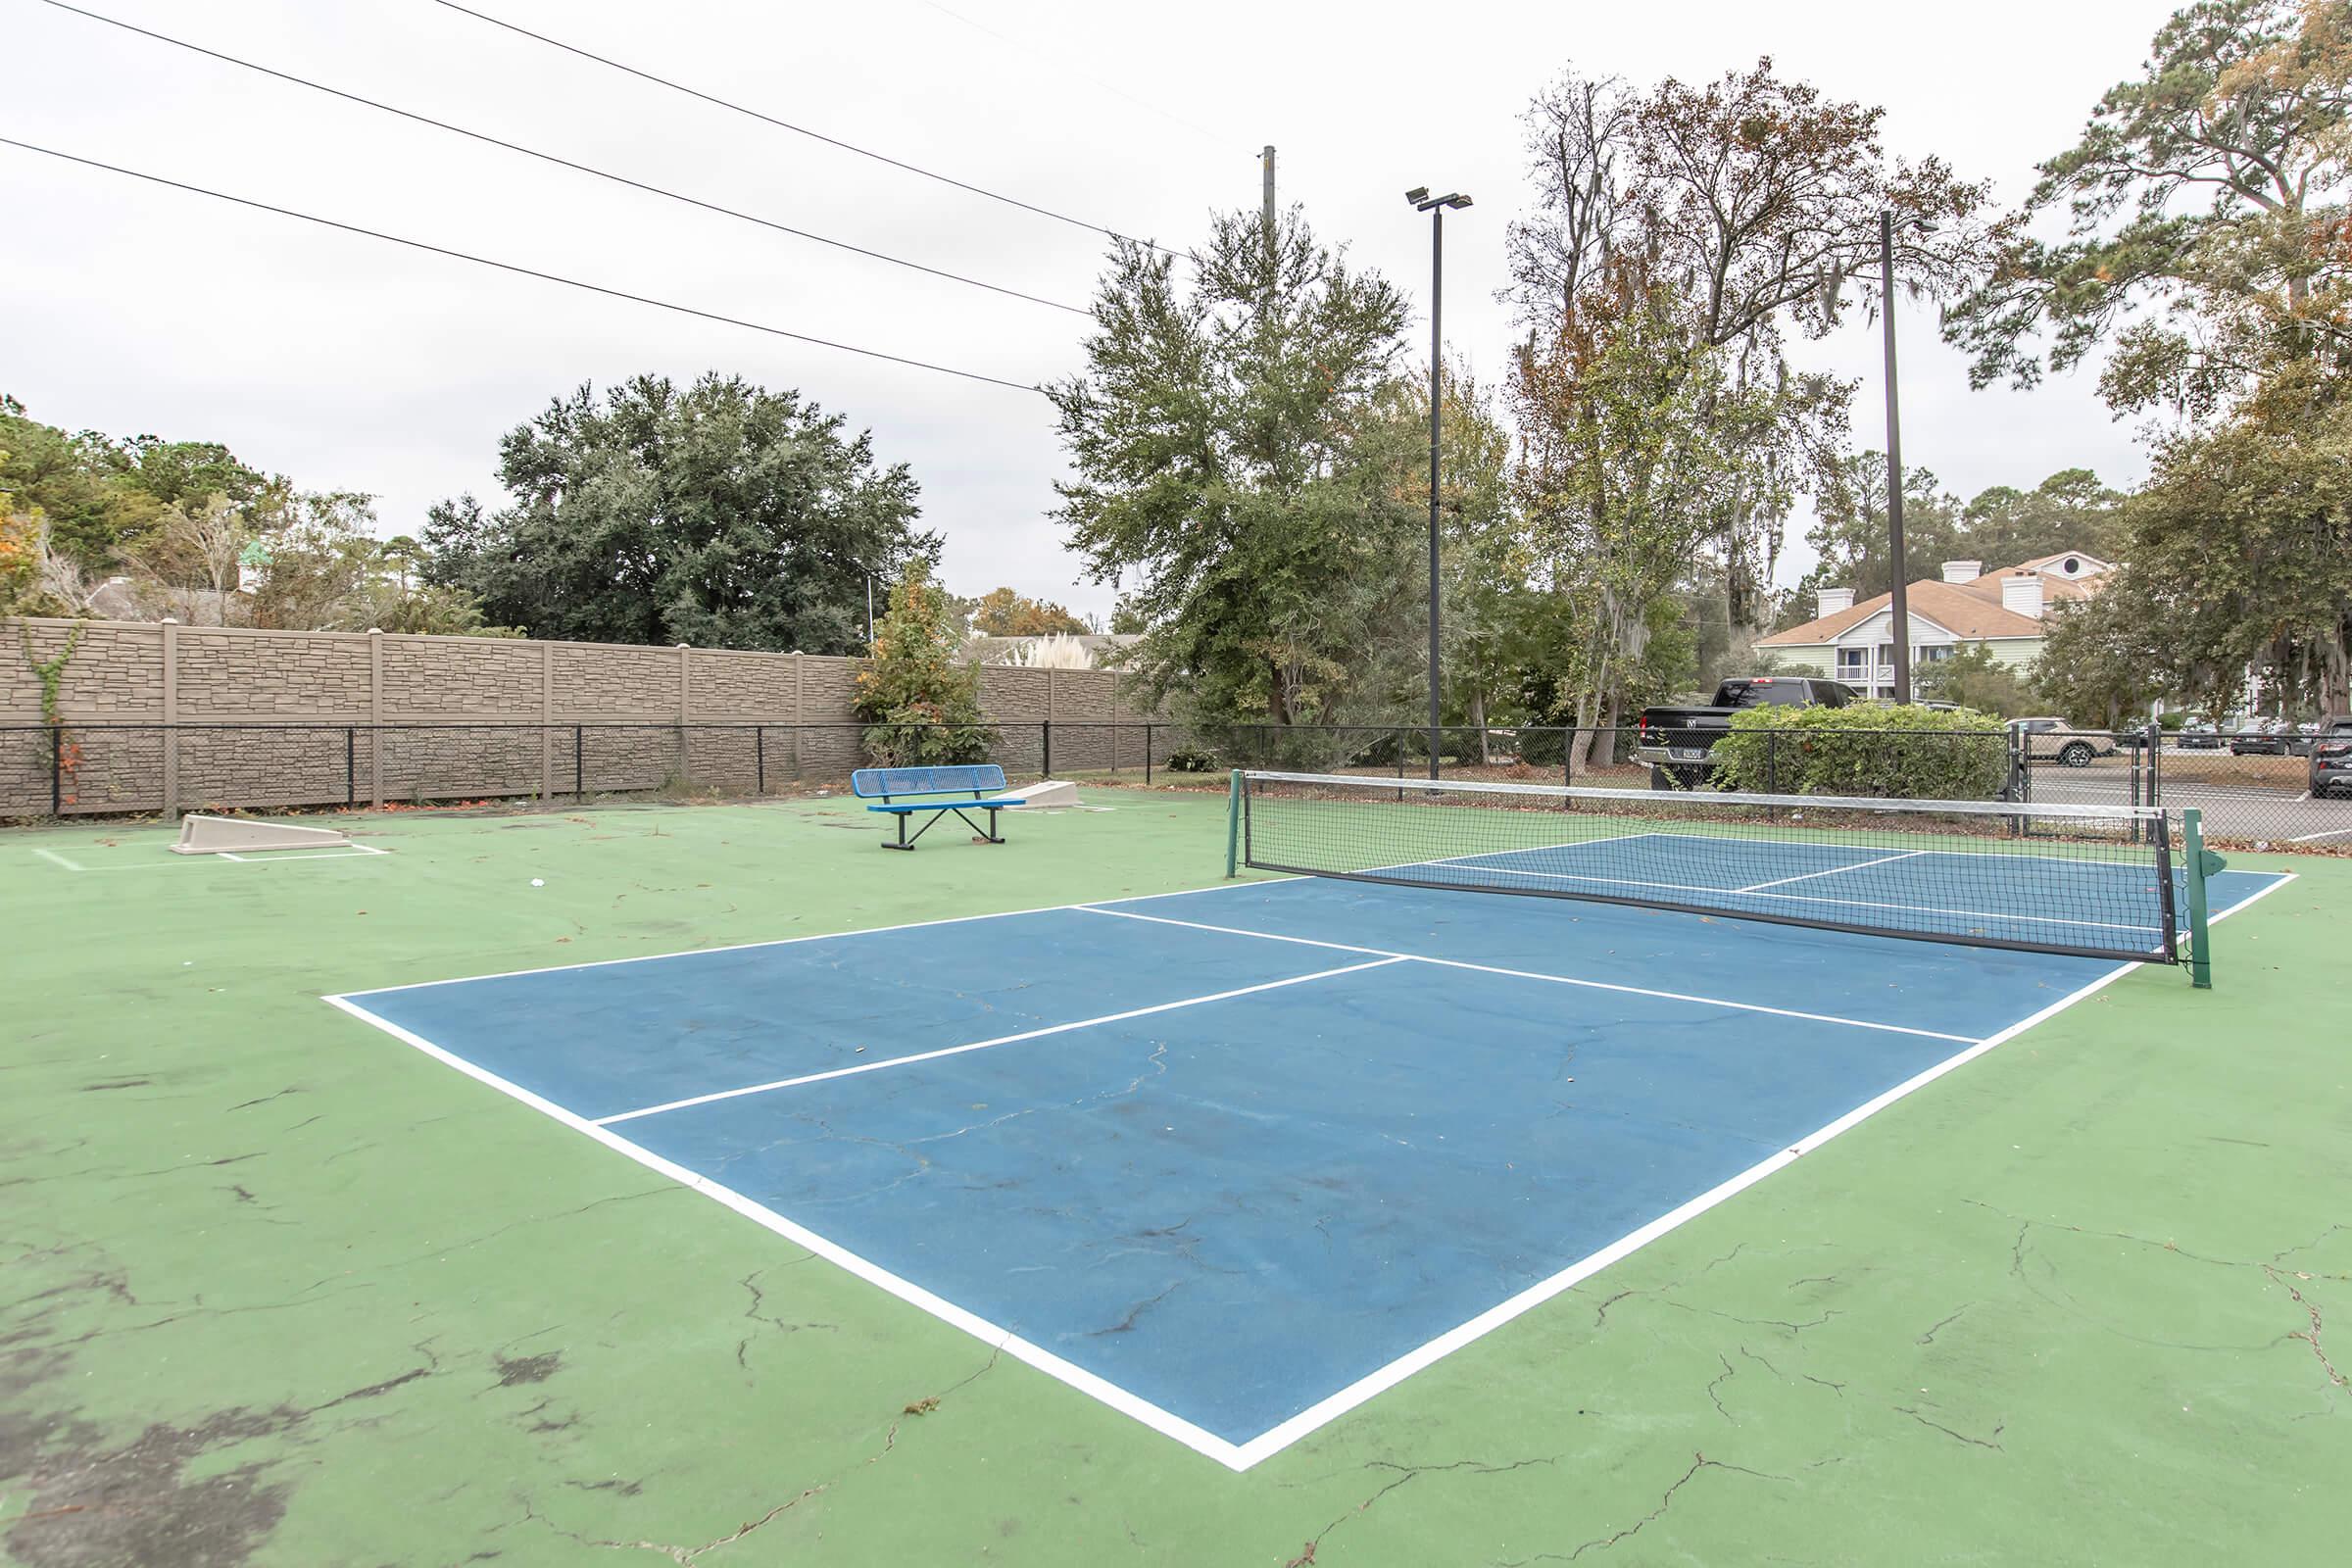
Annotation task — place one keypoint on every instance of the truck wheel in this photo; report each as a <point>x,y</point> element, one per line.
<point>1659,778</point>
<point>2074,754</point>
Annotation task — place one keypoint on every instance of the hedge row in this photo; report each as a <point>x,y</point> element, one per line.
<point>1919,753</point>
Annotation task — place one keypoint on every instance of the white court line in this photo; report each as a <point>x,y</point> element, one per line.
<point>1234,1456</point>
<point>983,1044</point>
<point>2314,838</point>
<point>1479,854</point>
<point>1199,1439</point>
<point>1685,834</point>
<point>343,852</point>
<point>1531,974</point>
<point>1793,898</point>
<point>1325,1410</point>
<point>1834,870</point>
<point>1227,886</point>
<point>180,861</point>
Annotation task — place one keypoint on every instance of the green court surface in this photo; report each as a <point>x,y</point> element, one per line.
<point>275,1288</point>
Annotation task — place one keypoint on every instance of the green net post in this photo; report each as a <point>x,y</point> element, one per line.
<point>2202,864</point>
<point>1233,825</point>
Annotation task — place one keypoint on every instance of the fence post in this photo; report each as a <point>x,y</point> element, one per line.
<point>1045,727</point>
<point>547,715</point>
<point>580,769</point>
<point>685,708</point>
<point>170,719</point>
<point>760,757</point>
<point>57,767</point>
<point>375,716</point>
<point>1146,754</point>
<point>351,765</point>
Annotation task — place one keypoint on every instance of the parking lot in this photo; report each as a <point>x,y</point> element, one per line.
<point>2255,800</point>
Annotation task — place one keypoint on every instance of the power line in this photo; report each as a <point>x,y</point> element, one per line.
<point>564,162</point>
<point>1021,47</point>
<point>525,271</point>
<point>800,130</point>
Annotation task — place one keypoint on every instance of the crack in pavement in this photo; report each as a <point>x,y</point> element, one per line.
<point>2270,1270</point>
<point>2310,1336</point>
<point>749,1281</point>
<point>1729,1373</point>
<point>1993,1442</point>
<point>686,1555</point>
<point>1126,1325</point>
<point>1408,1475</point>
<point>1933,1328</point>
<point>1699,1462</point>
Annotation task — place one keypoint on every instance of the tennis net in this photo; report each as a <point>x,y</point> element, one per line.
<point>2098,881</point>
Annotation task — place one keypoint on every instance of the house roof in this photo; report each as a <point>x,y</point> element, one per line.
<point>2052,587</point>
<point>1970,609</point>
<point>1955,607</point>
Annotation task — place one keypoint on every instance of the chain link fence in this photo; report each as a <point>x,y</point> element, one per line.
<point>2296,796</point>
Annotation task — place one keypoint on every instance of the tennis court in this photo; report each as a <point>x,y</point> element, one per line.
<point>1233,1162</point>
<point>291,1289</point>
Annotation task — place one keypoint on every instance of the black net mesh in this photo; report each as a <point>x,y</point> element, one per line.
<point>2096,881</point>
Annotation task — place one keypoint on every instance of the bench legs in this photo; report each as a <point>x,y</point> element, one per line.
<point>905,841</point>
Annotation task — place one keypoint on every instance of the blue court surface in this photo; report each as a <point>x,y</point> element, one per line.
<point>1234,1160</point>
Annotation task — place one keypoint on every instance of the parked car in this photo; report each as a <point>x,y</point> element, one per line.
<point>2265,737</point>
<point>2055,740</point>
<point>2332,758</point>
<point>1674,741</point>
<point>2199,735</point>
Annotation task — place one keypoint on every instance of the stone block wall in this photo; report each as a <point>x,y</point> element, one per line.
<point>168,718</point>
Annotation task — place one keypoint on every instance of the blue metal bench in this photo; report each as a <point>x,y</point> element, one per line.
<point>980,780</point>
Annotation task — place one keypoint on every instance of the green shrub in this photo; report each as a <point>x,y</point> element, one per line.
<point>1871,750</point>
<point>921,707</point>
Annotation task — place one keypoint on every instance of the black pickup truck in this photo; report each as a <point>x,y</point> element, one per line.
<point>1674,741</point>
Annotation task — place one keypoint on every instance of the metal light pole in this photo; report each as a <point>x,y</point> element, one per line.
<point>1434,207</point>
<point>1899,599</point>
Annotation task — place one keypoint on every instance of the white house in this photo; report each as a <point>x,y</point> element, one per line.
<point>2003,610</point>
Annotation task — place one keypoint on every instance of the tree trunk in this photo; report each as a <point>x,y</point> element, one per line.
<point>1600,750</point>
<point>1478,719</point>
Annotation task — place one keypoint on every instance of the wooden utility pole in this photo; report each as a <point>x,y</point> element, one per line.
<point>1265,161</point>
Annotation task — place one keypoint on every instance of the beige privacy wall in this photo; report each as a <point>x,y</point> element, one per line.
<point>279,719</point>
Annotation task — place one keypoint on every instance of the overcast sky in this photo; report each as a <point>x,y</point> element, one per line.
<point>354,365</point>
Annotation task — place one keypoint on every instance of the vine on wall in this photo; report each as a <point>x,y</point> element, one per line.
<point>51,673</point>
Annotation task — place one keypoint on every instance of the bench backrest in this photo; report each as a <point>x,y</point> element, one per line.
<point>971,778</point>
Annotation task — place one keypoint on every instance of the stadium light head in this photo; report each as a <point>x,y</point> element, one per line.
<point>1418,195</point>
<point>1457,201</point>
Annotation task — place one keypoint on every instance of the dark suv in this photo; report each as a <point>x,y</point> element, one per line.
<point>2332,758</point>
